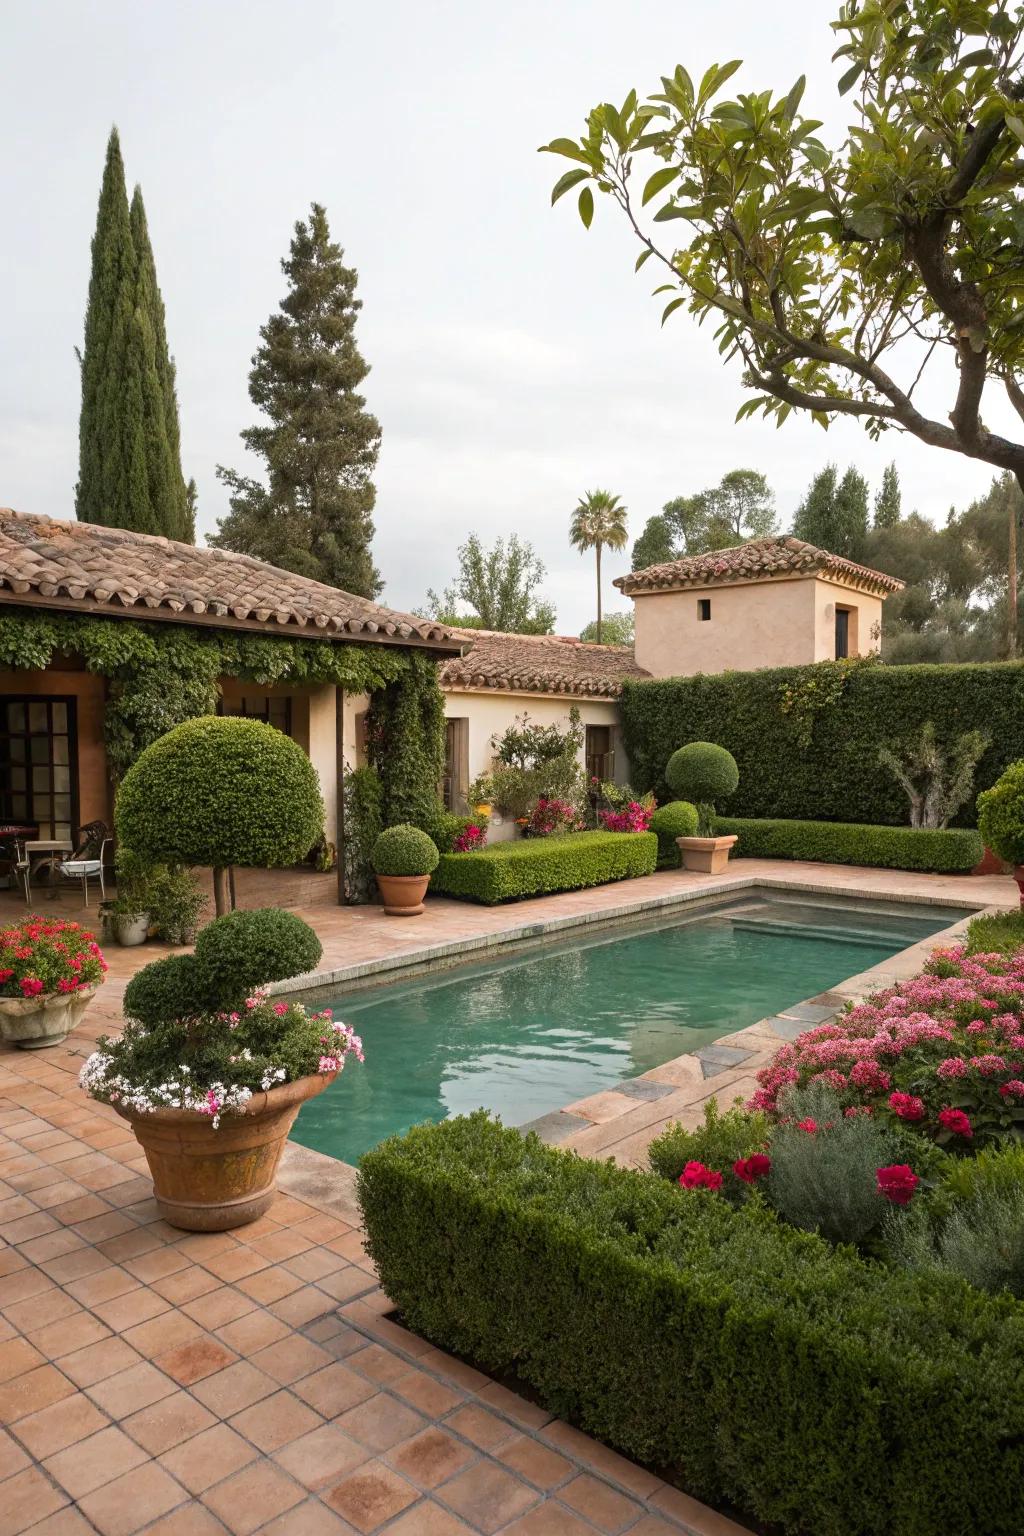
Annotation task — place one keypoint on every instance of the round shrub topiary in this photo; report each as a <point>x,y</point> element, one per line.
<point>243,950</point>
<point>676,819</point>
<point>219,791</point>
<point>1001,815</point>
<point>702,772</point>
<point>165,991</point>
<point>404,850</point>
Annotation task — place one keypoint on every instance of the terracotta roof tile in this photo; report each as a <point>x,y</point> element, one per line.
<point>539,664</point>
<point>756,561</point>
<point>57,564</point>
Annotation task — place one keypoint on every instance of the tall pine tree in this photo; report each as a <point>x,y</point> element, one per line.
<point>888,502</point>
<point>320,447</point>
<point>129,459</point>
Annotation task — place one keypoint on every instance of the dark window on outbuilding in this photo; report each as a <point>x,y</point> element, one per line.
<point>842,633</point>
<point>703,607</point>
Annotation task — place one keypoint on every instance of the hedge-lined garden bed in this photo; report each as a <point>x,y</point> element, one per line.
<point>805,1385</point>
<point>806,739</point>
<point>542,865</point>
<point>952,851</point>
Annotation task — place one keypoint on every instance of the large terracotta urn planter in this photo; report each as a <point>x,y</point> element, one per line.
<point>705,855</point>
<point>208,1180</point>
<point>403,895</point>
<point>35,1022</point>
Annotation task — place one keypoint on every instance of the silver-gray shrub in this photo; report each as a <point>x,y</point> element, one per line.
<point>826,1180</point>
<point>981,1238</point>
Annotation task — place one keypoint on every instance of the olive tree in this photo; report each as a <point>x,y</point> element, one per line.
<point>838,278</point>
<point>219,792</point>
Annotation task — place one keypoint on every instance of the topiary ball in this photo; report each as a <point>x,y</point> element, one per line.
<point>1001,815</point>
<point>165,991</point>
<point>676,819</point>
<point>404,850</point>
<point>243,950</point>
<point>218,791</point>
<point>702,772</point>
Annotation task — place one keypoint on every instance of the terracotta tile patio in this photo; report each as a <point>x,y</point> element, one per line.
<point>186,1385</point>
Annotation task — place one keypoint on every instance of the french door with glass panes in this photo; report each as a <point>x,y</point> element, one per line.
<point>38,768</point>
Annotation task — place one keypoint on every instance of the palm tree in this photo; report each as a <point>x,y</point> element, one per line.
<point>599,519</point>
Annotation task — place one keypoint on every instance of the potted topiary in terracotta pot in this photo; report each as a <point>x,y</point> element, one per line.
<point>211,1071</point>
<point>49,972</point>
<point>1001,820</point>
<point>403,860</point>
<point>703,773</point>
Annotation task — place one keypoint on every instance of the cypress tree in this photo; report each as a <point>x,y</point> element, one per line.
<point>815,519</point>
<point>320,447</point>
<point>888,502</point>
<point>129,467</point>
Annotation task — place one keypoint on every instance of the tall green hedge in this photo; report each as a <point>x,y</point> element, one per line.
<point>815,1391</point>
<point>806,738</point>
<point>953,850</point>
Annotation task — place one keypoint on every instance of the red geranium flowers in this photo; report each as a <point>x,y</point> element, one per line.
<point>897,1183</point>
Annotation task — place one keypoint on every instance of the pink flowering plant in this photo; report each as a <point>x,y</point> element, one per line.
<point>942,1054</point>
<point>633,817</point>
<point>469,840</point>
<point>551,816</point>
<point>44,956</point>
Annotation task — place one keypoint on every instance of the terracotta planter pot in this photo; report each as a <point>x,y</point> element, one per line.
<point>34,1022</point>
<point>705,855</point>
<point>402,895</point>
<point>208,1180</point>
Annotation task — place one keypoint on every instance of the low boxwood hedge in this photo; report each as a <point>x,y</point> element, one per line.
<point>537,866</point>
<point>808,1387</point>
<point>949,852</point>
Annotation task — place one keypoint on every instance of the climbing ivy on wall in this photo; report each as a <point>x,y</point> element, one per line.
<point>162,674</point>
<point>406,742</point>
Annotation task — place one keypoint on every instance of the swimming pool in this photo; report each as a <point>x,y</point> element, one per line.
<point>529,1033</point>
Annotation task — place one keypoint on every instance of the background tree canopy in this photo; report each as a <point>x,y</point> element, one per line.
<point>825,271</point>
<point>500,585</point>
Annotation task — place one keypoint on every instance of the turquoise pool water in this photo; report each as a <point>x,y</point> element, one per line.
<point>522,1036</point>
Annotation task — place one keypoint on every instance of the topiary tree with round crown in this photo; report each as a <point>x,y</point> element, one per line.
<point>221,791</point>
<point>703,773</point>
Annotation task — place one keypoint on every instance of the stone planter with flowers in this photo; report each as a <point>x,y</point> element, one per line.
<point>49,972</point>
<point>211,1070</point>
<point>403,860</point>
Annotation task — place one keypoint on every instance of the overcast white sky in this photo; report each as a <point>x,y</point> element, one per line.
<point>516,361</point>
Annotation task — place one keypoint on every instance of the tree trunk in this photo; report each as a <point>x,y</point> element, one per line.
<point>598,550</point>
<point>1011,583</point>
<point>221,891</point>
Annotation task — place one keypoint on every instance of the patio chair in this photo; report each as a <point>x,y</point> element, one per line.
<point>23,870</point>
<point>87,860</point>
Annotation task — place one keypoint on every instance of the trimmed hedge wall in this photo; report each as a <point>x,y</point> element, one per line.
<point>536,866</point>
<point>954,851</point>
<point>769,1370</point>
<point>837,776</point>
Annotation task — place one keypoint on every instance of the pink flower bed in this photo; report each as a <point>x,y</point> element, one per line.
<point>634,817</point>
<point>943,1053</point>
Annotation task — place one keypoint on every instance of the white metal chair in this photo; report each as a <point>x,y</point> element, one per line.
<point>23,870</point>
<point>82,868</point>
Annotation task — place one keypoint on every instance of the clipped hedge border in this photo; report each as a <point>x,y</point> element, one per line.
<point>767,1369</point>
<point>953,851</point>
<point>537,866</point>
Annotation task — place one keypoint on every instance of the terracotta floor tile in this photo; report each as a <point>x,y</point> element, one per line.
<point>539,1464</point>
<point>162,1333</point>
<point>27,1498</point>
<point>514,1407</point>
<point>369,1497</point>
<point>23,1282</point>
<point>253,1332</point>
<point>252,1497</point>
<point>16,1357</point>
<point>270,1284</point>
<point>87,1366</point>
<point>156,1264</point>
<point>208,1458</point>
<point>73,1266</point>
<point>193,1361</point>
<point>600,1458</point>
<point>429,1519</point>
<point>314,1263</point>
<point>110,1224</point>
<point>694,1515</point>
<point>102,1285</point>
<point>290,1358</point>
<point>309,1519</point>
<point>128,1391</point>
<point>94,1461</point>
<point>235,1263</point>
<point>189,1519</point>
<point>430,1457</point>
<point>52,1245</point>
<point>183,1284</point>
<point>60,1425</point>
<point>198,1246</point>
<point>12,1457</point>
<point>276,1420</point>
<point>488,1497</point>
<point>32,1392</point>
<point>168,1422</point>
<point>344,1283</point>
<point>38,1311</point>
<point>71,1333</point>
<point>234,1388</point>
<point>124,1312</point>
<point>425,1393</point>
<point>133,1501</point>
<point>550,1519</point>
<point>377,1363</point>
<point>600,1504</point>
<point>218,1307</point>
<point>131,1245</point>
<point>334,1390</point>
<point>481,1426</point>
<point>654,1525</point>
<point>381,1422</point>
<point>66,1522</point>
<point>29,1229</point>
<point>321,1457</point>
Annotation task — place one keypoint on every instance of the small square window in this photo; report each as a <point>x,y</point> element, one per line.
<point>703,607</point>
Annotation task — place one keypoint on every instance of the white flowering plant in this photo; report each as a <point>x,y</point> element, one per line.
<point>213,1063</point>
